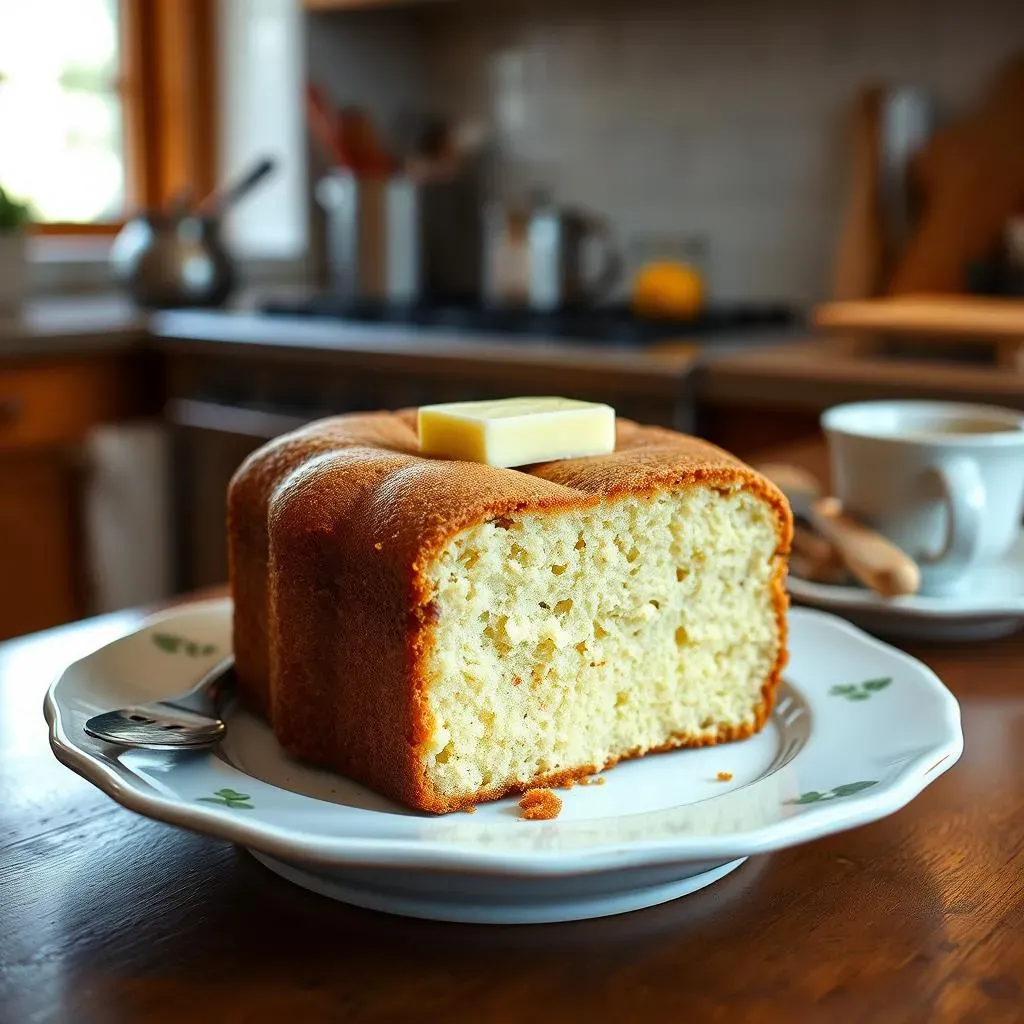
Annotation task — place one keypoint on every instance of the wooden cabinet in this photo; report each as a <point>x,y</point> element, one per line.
<point>47,407</point>
<point>40,542</point>
<point>55,402</point>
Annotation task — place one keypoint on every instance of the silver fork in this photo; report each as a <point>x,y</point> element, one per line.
<point>191,720</point>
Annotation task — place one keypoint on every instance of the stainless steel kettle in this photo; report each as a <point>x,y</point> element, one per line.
<point>173,258</point>
<point>536,257</point>
<point>556,243</point>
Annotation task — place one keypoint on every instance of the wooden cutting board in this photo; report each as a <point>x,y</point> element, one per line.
<point>939,318</point>
<point>963,317</point>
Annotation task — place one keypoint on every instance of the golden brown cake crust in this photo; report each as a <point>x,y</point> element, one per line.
<point>332,531</point>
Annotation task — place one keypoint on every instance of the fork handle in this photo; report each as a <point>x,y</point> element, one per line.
<point>206,696</point>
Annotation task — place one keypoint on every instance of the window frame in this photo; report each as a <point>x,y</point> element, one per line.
<point>167,85</point>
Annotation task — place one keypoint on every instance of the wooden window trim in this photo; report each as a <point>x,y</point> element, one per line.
<point>71,228</point>
<point>168,87</point>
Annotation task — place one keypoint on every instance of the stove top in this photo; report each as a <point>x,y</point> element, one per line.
<point>604,324</point>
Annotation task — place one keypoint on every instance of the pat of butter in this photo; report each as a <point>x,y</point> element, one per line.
<point>517,431</point>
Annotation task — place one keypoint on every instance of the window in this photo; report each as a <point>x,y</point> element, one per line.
<point>101,106</point>
<point>61,138</point>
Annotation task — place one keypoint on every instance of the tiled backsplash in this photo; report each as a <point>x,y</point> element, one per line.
<point>722,120</point>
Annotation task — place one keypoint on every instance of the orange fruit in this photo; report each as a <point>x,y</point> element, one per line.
<point>665,289</point>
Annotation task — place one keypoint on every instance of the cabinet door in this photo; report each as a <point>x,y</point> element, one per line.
<point>39,541</point>
<point>210,442</point>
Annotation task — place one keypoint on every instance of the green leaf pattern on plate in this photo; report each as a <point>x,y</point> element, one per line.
<point>229,798</point>
<point>170,643</point>
<point>860,691</point>
<point>846,789</point>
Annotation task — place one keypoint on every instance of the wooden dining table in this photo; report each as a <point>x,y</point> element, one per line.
<point>106,916</point>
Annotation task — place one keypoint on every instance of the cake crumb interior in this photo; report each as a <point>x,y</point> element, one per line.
<point>567,641</point>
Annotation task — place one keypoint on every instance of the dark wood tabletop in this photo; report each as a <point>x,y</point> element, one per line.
<point>106,916</point>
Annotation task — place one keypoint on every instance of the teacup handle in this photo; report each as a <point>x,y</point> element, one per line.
<point>964,494</point>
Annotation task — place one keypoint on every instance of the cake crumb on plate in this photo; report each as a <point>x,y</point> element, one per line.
<point>471,809</point>
<point>724,776</point>
<point>540,805</point>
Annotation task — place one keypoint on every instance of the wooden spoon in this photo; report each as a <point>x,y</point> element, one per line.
<point>815,559</point>
<point>873,560</point>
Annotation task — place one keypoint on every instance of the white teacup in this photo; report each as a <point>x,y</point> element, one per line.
<point>942,480</point>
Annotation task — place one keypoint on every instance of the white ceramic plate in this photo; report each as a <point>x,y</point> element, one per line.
<point>990,605</point>
<point>860,729</point>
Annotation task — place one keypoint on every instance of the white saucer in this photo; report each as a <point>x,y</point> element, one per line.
<point>990,606</point>
<point>858,731</point>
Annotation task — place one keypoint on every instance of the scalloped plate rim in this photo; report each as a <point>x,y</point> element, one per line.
<point>881,800</point>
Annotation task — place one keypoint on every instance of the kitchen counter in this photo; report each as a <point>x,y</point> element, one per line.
<point>378,347</point>
<point>226,381</point>
<point>782,369</point>
<point>71,325</point>
<point>775,394</point>
<point>813,374</point>
<point>106,323</point>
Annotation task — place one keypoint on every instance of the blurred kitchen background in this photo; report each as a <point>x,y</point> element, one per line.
<point>223,218</point>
